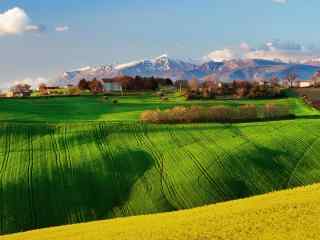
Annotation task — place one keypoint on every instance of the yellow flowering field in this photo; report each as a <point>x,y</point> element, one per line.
<point>290,214</point>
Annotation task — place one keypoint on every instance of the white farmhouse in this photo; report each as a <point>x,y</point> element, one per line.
<point>111,85</point>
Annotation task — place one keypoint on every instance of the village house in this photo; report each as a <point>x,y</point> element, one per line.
<point>52,90</point>
<point>8,94</point>
<point>303,83</point>
<point>111,85</point>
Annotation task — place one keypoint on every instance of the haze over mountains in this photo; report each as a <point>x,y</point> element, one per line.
<point>224,70</point>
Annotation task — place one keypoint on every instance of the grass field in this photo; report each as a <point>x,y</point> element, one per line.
<point>283,215</point>
<point>312,93</point>
<point>88,108</point>
<point>54,174</point>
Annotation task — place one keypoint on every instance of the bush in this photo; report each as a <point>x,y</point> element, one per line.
<point>177,114</point>
<point>272,111</point>
<point>221,114</point>
<point>75,91</point>
<point>192,96</point>
<point>151,116</point>
<point>115,101</point>
<point>248,112</point>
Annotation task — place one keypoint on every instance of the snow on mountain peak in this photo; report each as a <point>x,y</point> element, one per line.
<point>221,64</point>
<point>128,65</point>
<point>163,56</point>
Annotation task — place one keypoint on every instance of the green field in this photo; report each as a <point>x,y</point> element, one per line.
<point>60,164</point>
<point>89,108</point>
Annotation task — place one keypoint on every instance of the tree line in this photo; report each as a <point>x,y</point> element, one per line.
<point>236,89</point>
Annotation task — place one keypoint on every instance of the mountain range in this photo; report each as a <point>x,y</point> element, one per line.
<point>166,67</point>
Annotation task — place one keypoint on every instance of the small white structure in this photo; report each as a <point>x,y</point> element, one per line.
<point>9,94</point>
<point>304,84</point>
<point>110,85</point>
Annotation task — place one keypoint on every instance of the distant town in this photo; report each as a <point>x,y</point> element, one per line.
<point>122,84</point>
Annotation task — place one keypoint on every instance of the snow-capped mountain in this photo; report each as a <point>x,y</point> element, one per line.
<point>166,67</point>
<point>162,66</point>
<point>89,73</point>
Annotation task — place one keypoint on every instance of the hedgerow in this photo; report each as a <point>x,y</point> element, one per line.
<point>195,114</point>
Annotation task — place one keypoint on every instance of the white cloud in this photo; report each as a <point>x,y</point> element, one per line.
<point>286,51</point>
<point>16,21</point>
<point>35,28</point>
<point>244,46</point>
<point>62,28</point>
<point>222,55</point>
<point>280,1</point>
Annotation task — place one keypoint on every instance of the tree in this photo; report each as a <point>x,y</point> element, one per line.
<point>316,79</point>
<point>210,89</point>
<point>43,89</point>
<point>74,91</point>
<point>95,86</point>
<point>21,89</point>
<point>274,81</point>
<point>291,78</point>
<point>125,82</point>
<point>181,84</point>
<point>241,88</point>
<point>83,85</point>
<point>194,84</point>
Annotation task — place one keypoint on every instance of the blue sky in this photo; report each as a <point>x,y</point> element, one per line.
<point>105,31</point>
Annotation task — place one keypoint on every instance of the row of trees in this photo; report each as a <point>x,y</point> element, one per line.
<point>221,114</point>
<point>193,89</point>
<point>141,83</point>
<point>237,89</point>
<point>21,90</point>
<point>127,83</point>
<point>95,86</point>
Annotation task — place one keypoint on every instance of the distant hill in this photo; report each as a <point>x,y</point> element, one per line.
<point>166,67</point>
<point>292,214</point>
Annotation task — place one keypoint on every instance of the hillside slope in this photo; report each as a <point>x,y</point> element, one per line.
<point>57,174</point>
<point>129,108</point>
<point>292,214</point>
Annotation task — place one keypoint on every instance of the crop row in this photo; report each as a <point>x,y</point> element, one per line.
<point>62,174</point>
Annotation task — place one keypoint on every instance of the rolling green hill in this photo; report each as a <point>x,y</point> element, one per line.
<point>89,108</point>
<point>54,174</point>
<point>292,214</point>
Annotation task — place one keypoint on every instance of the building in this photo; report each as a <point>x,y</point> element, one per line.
<point>111,85</point>
<point>9,94</point>
<point>53,90</point>
<point>303,84</point>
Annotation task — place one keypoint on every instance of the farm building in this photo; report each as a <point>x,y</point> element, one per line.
<point>303,84</point>
<point>9,94</point>
<point>111,85</point>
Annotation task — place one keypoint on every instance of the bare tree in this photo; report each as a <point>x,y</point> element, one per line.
<point>194,84</point>
<point>83,85</point>
<point>43,89</point>
<point>95,86</point>
<point>291,78</point>
<point>274,81</point>
<point>316,79</point>
<point>22,89</point>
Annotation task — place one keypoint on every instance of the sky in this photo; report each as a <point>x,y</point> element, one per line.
<point>39,40</point>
